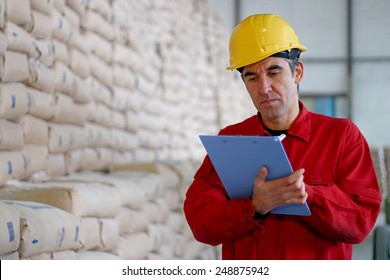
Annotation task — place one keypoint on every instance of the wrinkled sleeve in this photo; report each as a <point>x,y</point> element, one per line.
<point>212,217</point>
<point>347,209</point>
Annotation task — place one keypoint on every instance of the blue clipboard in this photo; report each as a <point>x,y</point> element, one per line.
<point>238,159</point>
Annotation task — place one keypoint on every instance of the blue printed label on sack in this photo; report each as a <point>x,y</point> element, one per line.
<point>9,167</point>
<point>60,236</point>
<point>76,236</point>
<point>13,102</point>
<point>11,231</point>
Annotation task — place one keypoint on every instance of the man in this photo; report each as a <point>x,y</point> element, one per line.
<point>334,172</point>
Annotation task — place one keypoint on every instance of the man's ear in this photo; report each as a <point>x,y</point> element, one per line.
<point>298,74</point>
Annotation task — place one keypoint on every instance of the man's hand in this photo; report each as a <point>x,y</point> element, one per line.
<point>278,192</point>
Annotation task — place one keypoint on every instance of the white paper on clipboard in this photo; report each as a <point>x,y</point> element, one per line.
<point>238,159</point>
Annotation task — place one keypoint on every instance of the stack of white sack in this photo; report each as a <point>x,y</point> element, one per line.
<point>171,236</point>
<point>43,231</point>
<point>95,204</point>
<point>141,211</point>
<point>189,248</point>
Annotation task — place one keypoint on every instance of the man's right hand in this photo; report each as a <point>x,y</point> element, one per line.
<point>274,193</point>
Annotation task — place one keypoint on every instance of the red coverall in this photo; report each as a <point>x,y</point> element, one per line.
<point>343,196</point>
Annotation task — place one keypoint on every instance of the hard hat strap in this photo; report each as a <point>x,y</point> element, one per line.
<point>292,54</point>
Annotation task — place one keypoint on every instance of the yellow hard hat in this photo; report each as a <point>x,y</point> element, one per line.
<point>260,36</point>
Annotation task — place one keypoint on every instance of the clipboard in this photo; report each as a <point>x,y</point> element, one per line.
<point>238,159</point>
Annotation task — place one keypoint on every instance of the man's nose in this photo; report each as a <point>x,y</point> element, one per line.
<point>264,85</point>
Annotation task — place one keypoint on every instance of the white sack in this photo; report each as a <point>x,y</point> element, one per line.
<point>101,70</point>
<point>136,221</point>
<point>61,53</point>
<point>46,49</point>
<point>95,22</point>
<point>59,5</point>
<point>19,40</point>
<point>105,156</point>
<point>9,228</point>
<point>14,165</point>
<point>146,86</point>
<point>61,27</point>
<point>42,6</point>
<point>57,166</point>
<point>63,79</point>
<point>11,135</point>
<point>90,159</point>
<point>175,221</point>
<point>73,17</point>
<point>2,14</point>
<point>74,160</point>
<point>41,76</point>
<point>78,41</point>
<point>118,119</point>
<point>41,25</point>
<point>132,123</point>
<point>159,235</point>
<point>145,155</point>
<point>123,76</point>
<point>133,193</point>
<point>82,90</point>
<point>156,212</point>
<point>100,92</point>
<point>67,111</point>
<point>103,115</point>
<point>90,233</point>
<point>80,199</point>
<point>14,100</point>
<point>42,104</point>
<point>45,228</point>
<point>123,140</point>
<point>103,7</point>
<point>19,12</point>
<point>78,5</point>
<point>79,63</point>
<point>35,130</point>
<point>122,54</point>
<point>122,218</point>
<point>109,233</point>
<point>133,246</point>
<point>97,135</point>
<point>121,98</point>
<point>15,67</point>
<point>66,137</point>
<point>64,109</point>
<point>149,139</point>
<point>3,41</point>
<point>38,157</point>
<point>122,157</point>
<point>100,46</point>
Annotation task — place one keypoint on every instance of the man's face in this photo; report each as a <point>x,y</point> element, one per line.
<point>274,90</point>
